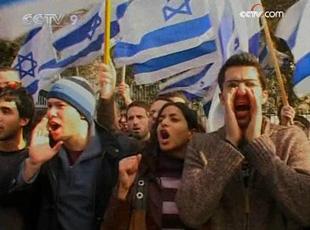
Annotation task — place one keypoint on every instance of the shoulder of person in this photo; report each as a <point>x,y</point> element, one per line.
<point>200,138</point>
<point>117,144</point>
<point>285,130</point>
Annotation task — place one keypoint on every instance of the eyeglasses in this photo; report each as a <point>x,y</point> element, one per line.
<point>10,85</point>
<point>236,83</point>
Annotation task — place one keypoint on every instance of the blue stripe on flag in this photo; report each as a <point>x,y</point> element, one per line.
<point>291,41</point>
<point>254,44</point>
<point>175,58</point>
<point>193,96</point>
<point>263,54</point>
<point>175,33</point>
<point>31,34</point>
<point>4,3</point>
<point>206,108</point>
<point>81,34</point>
<point>121,9</point>
<point>191,79</point>
<point>190,96</point>
<point>76,36</point>
<point>92,47</point>
<point>302,69</point>
<point>33,87</point>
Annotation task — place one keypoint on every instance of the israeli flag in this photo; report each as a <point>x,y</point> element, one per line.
<point>18,17</point>
<point>294,29</point>
<point>36,50</point>
<point>81,43</point>
<point>235,33</point>
<point>163,67</point>
<point>153,29</point>
<point>197,83</point>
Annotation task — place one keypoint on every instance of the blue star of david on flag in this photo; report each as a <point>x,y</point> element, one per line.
<point>95,24</point>
<point>26,65</point>
<point>170,9</point>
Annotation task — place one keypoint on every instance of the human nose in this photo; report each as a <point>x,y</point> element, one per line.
<point>52,112</point>
<point>135,121</point>
<point>164,122</point>
<point>123,119</point>
<point>241,89</point>
<point>154,116</point>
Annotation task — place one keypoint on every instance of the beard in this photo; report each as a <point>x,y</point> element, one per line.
<point>9,135</point>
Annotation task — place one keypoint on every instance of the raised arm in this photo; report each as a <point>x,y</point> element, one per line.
<point>106,111</point>
<point>39,150</point>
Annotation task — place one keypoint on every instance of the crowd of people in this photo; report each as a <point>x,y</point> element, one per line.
<point>90,164</point>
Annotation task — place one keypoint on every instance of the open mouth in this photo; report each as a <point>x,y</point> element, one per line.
<point>242,107</point>
<point>53,126</point>
<point>164,134</point>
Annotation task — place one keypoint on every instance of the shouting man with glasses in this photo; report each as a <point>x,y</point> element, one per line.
<point>250,174</point>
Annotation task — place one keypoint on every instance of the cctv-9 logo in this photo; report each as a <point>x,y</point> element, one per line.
<point>73,19</point>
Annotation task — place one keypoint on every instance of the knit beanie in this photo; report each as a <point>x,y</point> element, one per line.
<point>77,92</point>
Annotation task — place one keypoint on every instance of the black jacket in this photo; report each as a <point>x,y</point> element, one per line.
<point>16,211</point>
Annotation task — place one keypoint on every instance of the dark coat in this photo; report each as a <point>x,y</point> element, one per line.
<point>16,207</point>
<point>115,147</point>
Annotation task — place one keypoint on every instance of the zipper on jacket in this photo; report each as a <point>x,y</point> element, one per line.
<point>246,174</point>
<point>247,208</point>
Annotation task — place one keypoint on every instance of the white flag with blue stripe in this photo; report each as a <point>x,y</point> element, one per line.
<point>198,82</point>
<point>234,32</point>
<point>163,67</point>
<point>161,38</point>
<point>80,44</point>
<point>294,29</point>
<point>20,16</point>
<point>36,50</point>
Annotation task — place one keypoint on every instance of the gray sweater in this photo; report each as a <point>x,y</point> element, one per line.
<point>266,185</point>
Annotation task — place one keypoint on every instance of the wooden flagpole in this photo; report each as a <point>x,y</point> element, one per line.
<point>107,31</point>
<point>274,60</point>
<point>123,73</point>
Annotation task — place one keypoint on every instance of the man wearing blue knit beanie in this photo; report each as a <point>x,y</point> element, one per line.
<point>73,160</point>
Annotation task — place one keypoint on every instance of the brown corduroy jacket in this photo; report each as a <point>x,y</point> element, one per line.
<point>220,191</point>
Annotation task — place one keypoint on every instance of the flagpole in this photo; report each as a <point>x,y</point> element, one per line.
<point>106,55</point>
<point>123,73</point>
<point>274,60</point>
<point>77,71</point>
